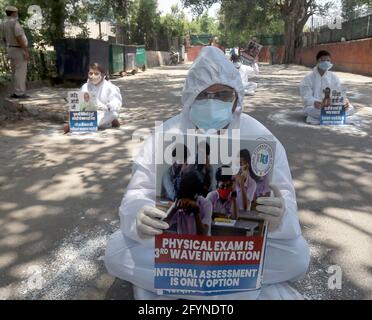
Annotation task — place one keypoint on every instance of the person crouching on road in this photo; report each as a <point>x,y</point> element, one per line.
<point>108,98</point>
<point>316,87</point>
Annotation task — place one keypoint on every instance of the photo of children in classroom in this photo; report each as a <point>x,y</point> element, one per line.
<point>206,199</point>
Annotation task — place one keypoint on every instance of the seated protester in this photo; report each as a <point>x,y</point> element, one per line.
<point>313,88</point>
<point>246,72</point>
<point>191,213</point>
<point>212,99</point>
<point>171,178</point>
<point>204,167</point>
<point>245,184</point>
<point>223,200</point>
<point>108,98</point>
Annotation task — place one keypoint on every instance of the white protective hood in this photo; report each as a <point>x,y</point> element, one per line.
<point>210,68</point>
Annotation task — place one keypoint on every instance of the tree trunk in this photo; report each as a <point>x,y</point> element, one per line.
<point>58,17</point>
<point>289,40</point>
<point>295,15</point>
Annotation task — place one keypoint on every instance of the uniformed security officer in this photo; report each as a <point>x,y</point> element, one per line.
<point>17,48</point>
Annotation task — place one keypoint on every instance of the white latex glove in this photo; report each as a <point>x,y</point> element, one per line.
<point>102,107</point>
<point>149,222</point>
<point>272,208</point>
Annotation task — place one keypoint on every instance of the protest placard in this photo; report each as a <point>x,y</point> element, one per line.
<point>82,112</point>
<point>208,186</point>
<point>333,110</point>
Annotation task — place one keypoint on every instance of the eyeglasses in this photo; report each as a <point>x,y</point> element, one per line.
<point>91,74</point>
<point>227,96</point>
<point>225,186</point>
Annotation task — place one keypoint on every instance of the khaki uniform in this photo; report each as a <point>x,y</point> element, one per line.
<point>10,29</point>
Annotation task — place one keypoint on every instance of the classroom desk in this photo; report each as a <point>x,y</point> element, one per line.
<point>241,228</point>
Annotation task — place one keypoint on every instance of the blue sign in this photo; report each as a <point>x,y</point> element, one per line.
<point>83,122</point>
<point>334,115</point>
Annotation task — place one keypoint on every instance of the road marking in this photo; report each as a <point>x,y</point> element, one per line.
<point>297,119</point>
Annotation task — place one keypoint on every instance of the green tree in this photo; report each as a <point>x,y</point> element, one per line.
<point>208,24</point>
<point>173,24</point>
<point>145,23</point>
<point>100,12</point>
<point>203,24</point>
<point>123,15</point>
<point>239,23</point>
<point>193,26</point>
<point>55,14</point>
<point>352,9</point>
<point>293,13</point>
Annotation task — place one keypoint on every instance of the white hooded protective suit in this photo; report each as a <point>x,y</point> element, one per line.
<point>130,258</point>
<point>312,89</point>
<point>109,101</point>
<point>246,72</point>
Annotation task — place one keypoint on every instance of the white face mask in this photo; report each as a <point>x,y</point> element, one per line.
<point>238,65</point>
<point>95,79</point>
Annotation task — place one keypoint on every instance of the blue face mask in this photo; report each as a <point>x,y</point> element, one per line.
<point>211,114</point>
<point>325,65</point>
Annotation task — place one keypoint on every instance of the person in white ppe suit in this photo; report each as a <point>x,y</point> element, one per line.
<point>130,251</point>
<point>246,72</point>
<point>106,95</point>
<point>314,86</point>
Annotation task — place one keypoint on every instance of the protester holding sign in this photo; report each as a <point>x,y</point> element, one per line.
<point>250,54</point>
<point>246,72</point>
<point>314,89</point>
<point>212,99</point>
<point>106,95</point>
<point>82,113</point>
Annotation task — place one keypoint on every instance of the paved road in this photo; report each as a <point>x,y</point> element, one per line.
<point>59,194</point>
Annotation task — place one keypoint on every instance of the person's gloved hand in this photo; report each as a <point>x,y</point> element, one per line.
<point>272,208</point>
<point>102,107</point>
<point>347,104</point>
<point>318,104</point>
<point>149,222</point>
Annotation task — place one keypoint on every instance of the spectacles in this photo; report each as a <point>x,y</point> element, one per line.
<point>227,96</point>
<point>225,186</point>
<point>91,74</point>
